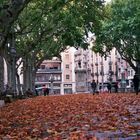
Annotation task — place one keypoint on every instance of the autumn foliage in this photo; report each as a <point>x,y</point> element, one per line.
<point>71,117</point>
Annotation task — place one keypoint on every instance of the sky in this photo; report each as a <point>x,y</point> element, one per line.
<point>107,0</point>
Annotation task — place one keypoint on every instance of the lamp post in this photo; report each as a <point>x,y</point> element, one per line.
<point>13,54</point>
<point>123,80</point>
<point>102,73</point>
<point>116,72</point>
<point>92,68</point>
<point>110,70</point>
<point>97,75</point>
<point>51,81</point>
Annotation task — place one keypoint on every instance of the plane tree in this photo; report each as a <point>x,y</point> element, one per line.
<point>9,12</point>
<point>120,28</point>
<point>45,28</point>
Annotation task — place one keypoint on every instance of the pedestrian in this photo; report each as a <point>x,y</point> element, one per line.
<point>100,88</point>
<point>46,91</point>
<point>109,87</point>
<point>93,86</point>
<point>36,92</point>
<point>116,87</point>
<point>136,83</point>
<point>28,93</point>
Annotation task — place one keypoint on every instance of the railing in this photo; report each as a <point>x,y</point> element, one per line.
<point>49,70</point>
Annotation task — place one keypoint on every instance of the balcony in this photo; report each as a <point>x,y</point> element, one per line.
<point>80,70</point>
<point>55,70</point>
<point>110,63</point>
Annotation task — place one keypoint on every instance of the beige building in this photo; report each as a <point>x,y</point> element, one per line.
<point>50,74</point>
<point>79,67</point>
<point>68,73</point>
<point>82,70</point>
<point>89,66</point>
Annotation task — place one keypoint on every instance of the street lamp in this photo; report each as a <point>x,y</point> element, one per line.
<point>51,81</point>
<point>13,54</point>
<point>102,74</point>
<point>116,72</point>
<point>97,74</point>
<point>110,70</point>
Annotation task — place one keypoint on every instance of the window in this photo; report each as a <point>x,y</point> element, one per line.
<point>131,73</point>
<point>79,64</point>
<point>67,85</point>
<point>42,67</point>
<point>67,77</point>
<point>128,73</point>
<point>67,66</point>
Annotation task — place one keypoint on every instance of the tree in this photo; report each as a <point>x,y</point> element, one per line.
<point>45,28</point>
<point>9,12</point>
<point>121,29</point>
<point>1,75</point>
<point>48,30</point>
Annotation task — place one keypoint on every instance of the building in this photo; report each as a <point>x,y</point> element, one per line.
<point>68,74</point>
<point>50,74</point>
<point>78,67</point>
<point>58,74</point>
<point>90,65</point>
<point>82,70</point>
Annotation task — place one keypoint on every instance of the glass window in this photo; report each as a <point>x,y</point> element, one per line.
<point>67,77</point>
<point>42,67</point>
<point>67,66</point>
<point>128,73</point>
<point>131,72</point>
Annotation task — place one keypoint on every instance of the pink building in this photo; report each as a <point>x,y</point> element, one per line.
<point>78,68</point>
<point>50,74</point>
<point>91,66</point>
<point>82,70</point>
<point>68,73</point>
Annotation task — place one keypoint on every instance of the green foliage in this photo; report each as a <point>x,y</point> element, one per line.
<point>121,29</point>
<point>48,27</point>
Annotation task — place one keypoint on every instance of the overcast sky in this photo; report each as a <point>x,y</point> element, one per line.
<point>107,0</point>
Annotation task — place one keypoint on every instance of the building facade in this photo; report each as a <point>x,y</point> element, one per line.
<point>68,74</point>
<point>50,74</point>
<point>82,70</point>
<point>78,67</point>
<point>90,65</point>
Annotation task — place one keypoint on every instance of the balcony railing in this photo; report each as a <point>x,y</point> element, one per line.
<point>50,70</point>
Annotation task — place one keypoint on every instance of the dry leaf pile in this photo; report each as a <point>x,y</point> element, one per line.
<point>72,117</point>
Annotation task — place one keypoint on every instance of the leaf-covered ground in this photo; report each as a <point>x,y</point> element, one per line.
<point>72,117</point>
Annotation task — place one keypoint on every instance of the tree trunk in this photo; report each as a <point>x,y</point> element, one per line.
<point>18,84</point>
<point>1,74</point>
<point>9,13</point>
<point>27,73</point>
<point>9,74</point>
<point>33,79</point>
<point>25,76</point>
